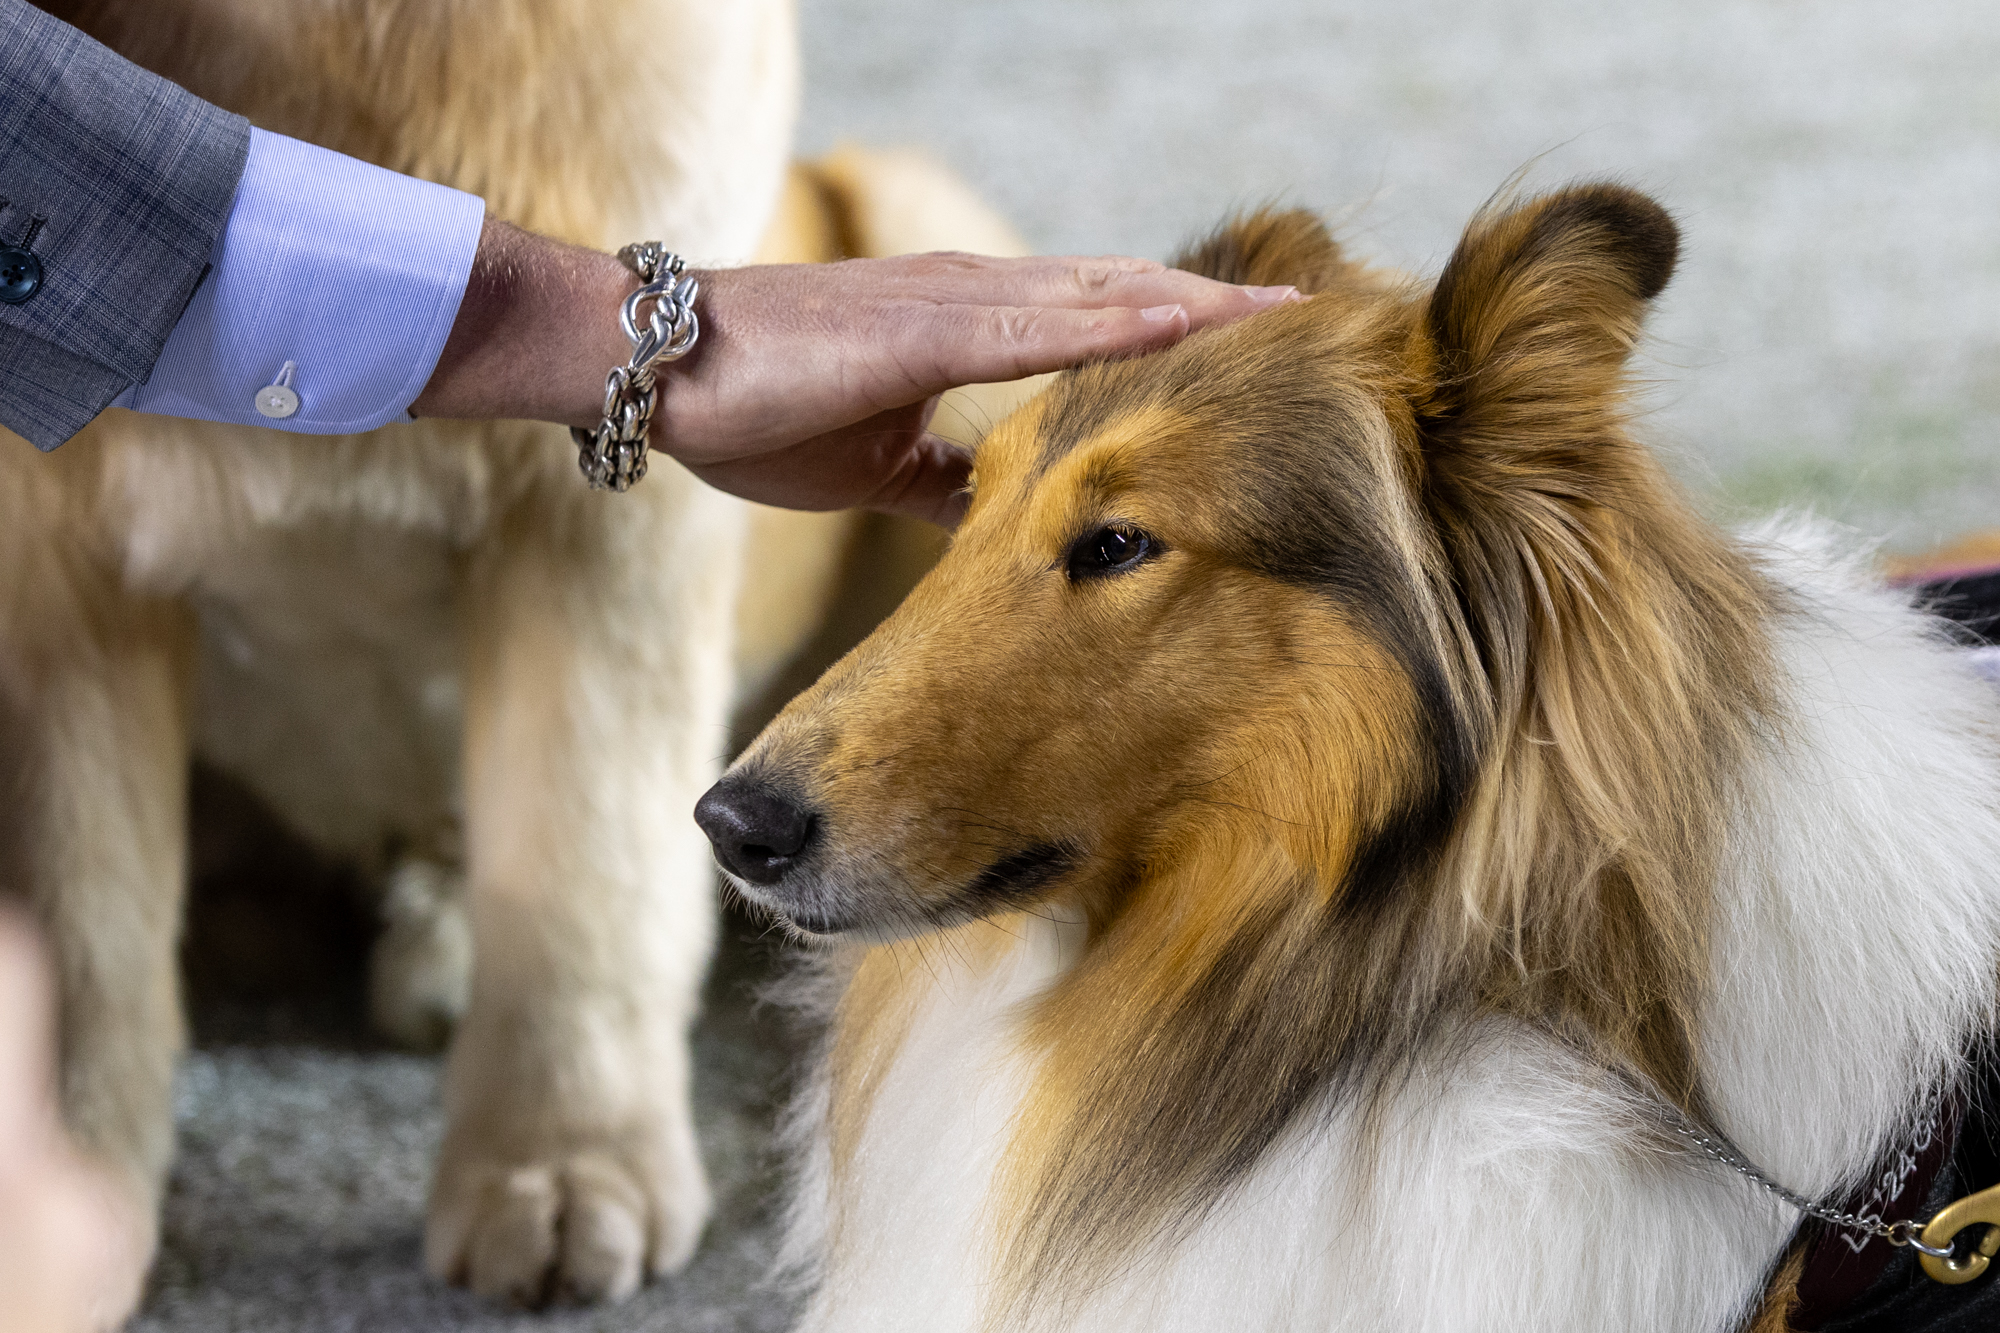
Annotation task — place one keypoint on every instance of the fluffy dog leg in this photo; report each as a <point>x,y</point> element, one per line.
<point>93,741</point>
<point>599,682</point>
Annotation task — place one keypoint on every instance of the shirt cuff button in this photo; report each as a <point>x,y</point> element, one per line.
<point>277,402</point>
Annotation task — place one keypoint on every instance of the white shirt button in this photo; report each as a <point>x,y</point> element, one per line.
<point>277,402</point>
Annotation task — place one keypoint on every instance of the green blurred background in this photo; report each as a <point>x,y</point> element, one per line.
<point>1832,339</point>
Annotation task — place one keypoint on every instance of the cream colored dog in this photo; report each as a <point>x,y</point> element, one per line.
<point>432,646</point>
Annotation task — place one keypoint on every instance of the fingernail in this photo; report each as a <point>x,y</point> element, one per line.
<point>1273,295</point>
<point>1160,314</point>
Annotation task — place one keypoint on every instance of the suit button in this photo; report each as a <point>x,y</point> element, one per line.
<point>20,274</point>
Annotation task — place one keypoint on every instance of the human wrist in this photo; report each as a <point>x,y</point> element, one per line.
<point>535,335</point>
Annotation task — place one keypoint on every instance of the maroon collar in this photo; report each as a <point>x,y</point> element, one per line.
<point>1840,1265</point>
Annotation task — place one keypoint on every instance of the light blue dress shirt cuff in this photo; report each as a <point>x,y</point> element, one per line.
<point>335,277</point>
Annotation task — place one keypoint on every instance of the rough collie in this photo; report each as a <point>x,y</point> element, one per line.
<point>1336,821</point>
<point>431,648</point>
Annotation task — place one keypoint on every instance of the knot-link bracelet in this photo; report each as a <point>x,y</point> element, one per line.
<point>613,455</point>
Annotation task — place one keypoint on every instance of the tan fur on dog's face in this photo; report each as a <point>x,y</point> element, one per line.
<point>1019,728</point>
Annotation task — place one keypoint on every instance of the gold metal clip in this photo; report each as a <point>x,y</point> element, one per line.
<point>1969,1211</point>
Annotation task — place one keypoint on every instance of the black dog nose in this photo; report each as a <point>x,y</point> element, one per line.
<point>757,832</point>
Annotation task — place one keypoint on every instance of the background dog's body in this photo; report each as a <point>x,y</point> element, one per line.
<point>1341,796</point>
<point>431,646</point>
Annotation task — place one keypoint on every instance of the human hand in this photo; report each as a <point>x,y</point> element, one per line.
<point>812,384</point>
<point>68,1245</point>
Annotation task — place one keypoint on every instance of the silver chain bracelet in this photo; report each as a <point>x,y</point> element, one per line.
<point>613,455</point>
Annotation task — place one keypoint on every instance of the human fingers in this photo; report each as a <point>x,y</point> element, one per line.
<point>1063,282</point>
<point>797,353</point>
<point>68,1250</point>
<point>929,485</point>
<point>897,466</point>
<point>886,462</point>
<point>942,347</point>
<point>777,371</point>
<point>1097,282</point>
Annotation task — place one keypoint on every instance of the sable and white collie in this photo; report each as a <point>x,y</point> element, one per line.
<point>1329,801</point>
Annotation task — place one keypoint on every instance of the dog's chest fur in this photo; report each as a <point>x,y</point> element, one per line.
<point>326,578</point>
<point>330,681</point>
<point>1498,1144</point>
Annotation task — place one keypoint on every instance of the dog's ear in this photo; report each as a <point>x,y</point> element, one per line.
<point>1531,322</point>
<point>1270,248</point>
<point>1616,646</point>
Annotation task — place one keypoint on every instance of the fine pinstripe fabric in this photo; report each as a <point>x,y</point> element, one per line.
<point>350,273</point>
<point>125,180</point>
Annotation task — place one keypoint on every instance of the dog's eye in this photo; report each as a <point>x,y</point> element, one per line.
<point>1110,550</point>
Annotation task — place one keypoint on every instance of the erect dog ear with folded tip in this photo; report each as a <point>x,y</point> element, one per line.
<point>1529,328</point>
<point>1534,314</point>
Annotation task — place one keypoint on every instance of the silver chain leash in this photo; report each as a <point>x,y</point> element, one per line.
<point>1722,1150</point>
<point>613,455</point>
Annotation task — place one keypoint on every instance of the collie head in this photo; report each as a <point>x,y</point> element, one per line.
<point>1347,670</point>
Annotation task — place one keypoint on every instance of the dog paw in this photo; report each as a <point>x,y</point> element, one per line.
<point>420,974</point>
<point>589,1227</point>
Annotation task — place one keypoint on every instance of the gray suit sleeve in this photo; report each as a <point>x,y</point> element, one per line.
<point>117,182</point>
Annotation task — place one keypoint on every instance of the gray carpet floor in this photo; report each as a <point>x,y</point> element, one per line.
<point>297,1201</point>
<point>1833,340</point>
